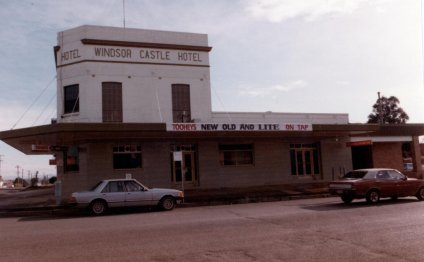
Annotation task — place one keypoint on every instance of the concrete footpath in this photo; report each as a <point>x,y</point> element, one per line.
<point>43,199</point>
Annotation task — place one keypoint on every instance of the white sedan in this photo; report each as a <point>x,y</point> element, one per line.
<point>124,193</point>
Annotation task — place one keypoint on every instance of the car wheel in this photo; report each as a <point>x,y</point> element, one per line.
<point>98,207</point>
<point>167,203</point>
<point>420,193</point>
<point>347,199</point>
<point>373,196</point>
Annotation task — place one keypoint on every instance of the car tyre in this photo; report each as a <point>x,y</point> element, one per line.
<point>420,194</point>
<point>98,207</point>
<point>373,196</point>
<point>347,199</point>
<point>167,203</point>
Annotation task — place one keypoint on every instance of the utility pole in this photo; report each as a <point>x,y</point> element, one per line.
<point>17,174</point>
<point>123,11</point>
<point>1,160</point>
<point>380,110</point>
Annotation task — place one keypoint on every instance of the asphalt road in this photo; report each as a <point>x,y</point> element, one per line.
<point>299,230</point>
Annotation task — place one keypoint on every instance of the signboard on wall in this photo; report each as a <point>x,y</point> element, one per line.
<point>189,127</point>
<point>359,143</point>
<point>178,156</point>
<point>81,52</point>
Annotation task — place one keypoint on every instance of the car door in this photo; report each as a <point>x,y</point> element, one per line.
<point>114,193</point>
<point>388,186</point>
<point>137,195</point>
<point>405,187</point>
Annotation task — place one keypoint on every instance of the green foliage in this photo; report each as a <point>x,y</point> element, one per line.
<point>52,180</point>
<point>388,111</point>
<point>19,182</point>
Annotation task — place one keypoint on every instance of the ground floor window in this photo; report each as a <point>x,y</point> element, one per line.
<point>235,154</point>
<point>305,159</point>
<point>71,157</point>
<point>127,157</point>
<point>407,157</point>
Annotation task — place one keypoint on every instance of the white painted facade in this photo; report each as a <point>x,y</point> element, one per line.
<point>146,84</point>
<point>146,74</point>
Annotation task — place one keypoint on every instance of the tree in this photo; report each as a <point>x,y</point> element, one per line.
<point>20,182</point>
<point>52,180</point>
<point>387,111</point>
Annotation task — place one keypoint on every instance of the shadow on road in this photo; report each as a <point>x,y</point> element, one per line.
<point>358,204</point>
<point>72,213</point>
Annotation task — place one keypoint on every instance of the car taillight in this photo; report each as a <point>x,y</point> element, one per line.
<point>72,200</point>
<point>340,186</point>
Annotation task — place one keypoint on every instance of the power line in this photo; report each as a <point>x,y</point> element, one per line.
<point>44,109</point>
<point>35,100</point>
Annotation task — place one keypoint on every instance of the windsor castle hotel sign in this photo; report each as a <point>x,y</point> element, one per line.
<point>132,55</point>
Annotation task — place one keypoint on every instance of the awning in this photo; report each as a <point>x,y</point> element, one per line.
<point>65,134</point>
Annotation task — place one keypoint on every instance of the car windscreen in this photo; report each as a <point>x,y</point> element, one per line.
<point>355,174</point>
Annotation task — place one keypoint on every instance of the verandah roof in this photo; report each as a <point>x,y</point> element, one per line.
<point>64,134</point>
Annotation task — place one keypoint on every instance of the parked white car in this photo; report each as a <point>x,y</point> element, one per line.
<point>124,193</point>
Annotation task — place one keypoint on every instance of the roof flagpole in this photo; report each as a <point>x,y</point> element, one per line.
<point>123,11</point>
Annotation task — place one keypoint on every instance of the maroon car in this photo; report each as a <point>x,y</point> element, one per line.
<point>376,183</point>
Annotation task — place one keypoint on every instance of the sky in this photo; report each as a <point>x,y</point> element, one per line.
<point>301,56</point>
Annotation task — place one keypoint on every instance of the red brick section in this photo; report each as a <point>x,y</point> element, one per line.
<point>388,155</point>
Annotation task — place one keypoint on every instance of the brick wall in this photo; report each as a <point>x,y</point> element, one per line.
<point>388,155</point>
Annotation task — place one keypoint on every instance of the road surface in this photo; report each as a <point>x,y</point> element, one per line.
<point>299,230</point>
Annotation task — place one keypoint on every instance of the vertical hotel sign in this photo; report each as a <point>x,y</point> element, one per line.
<point>187,127</point>
<point>164,54</point>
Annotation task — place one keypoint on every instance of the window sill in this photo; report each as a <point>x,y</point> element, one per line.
<point>70,115</point>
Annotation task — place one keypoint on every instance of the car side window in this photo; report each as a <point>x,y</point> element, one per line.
<point>383,175</point>
<point>133,186</point>
<point>113,186</point>
<point>396,175</point>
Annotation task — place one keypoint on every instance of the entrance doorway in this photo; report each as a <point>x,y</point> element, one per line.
<point>184,170</point>
<point>362,157</point>
<point>305,160</point>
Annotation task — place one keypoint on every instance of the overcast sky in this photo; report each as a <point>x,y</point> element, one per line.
<point>303,56</point>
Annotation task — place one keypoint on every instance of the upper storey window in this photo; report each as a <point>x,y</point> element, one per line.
<point>181,111</point>
<point>112,101</point>
<point>71,101</point>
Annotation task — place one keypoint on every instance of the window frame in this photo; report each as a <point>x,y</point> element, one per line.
<point>302,150</point>
<point>112,102</point>
<point>181,103</point>
<point>130,150</point>
<point>71,99</point>
<point>237,154</point>
<point>71,159</point>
